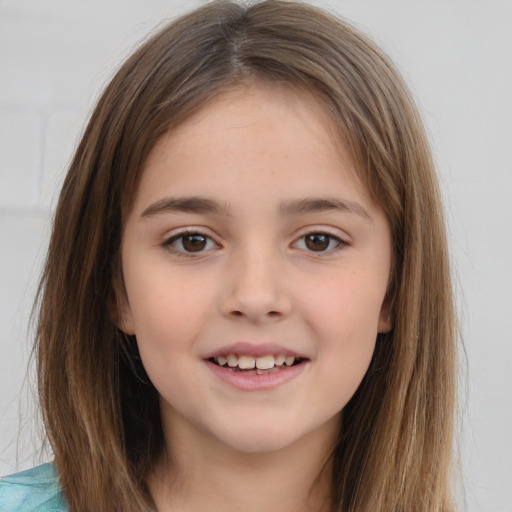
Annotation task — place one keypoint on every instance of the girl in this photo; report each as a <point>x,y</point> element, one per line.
<point>246,302</point>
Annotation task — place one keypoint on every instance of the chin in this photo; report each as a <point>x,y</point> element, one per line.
<point>260,438</point>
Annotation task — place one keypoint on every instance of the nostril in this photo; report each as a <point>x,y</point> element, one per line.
<point>271,314</point>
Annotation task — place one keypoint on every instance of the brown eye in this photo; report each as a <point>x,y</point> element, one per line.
<point>193,243</point>
<point>317,241</point>
<point>187,243</point>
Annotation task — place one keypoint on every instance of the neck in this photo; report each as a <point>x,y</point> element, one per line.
<point>199,475</point>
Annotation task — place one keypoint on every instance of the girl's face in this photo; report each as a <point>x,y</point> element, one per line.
<point>251,242</point>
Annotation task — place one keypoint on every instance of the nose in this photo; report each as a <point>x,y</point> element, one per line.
<point>256,288</point>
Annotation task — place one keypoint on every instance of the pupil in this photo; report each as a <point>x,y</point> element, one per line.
<point>317,242</point>
<point>194,243</point>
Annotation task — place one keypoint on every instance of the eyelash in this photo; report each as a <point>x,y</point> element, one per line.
<point>339,243</point>
<point>168,244</point>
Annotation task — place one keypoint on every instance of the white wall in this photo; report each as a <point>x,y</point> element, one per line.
<point>55,55</point>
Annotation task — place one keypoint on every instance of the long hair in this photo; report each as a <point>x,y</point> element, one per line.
<point>100,410</point>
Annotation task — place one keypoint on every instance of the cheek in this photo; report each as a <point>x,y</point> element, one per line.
<point>345,320</point>
<point>348,307</point>
<point>167,326</point>
<point>167,310</point>
<point>349,333</point>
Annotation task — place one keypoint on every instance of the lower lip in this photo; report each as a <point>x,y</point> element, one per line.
<point>248,382</point>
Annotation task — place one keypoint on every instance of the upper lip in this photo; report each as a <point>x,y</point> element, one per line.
<point>254,350</point>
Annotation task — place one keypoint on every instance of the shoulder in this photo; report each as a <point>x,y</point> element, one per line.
<point>34,490</point>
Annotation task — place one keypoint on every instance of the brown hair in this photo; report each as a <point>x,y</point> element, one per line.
<point>100,411</point>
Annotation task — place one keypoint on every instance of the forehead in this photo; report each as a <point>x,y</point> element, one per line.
<point>256,128</point>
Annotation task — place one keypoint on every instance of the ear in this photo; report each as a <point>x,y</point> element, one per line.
<point>124,316</point>
<point>385,323</point>
<point>119,308</point>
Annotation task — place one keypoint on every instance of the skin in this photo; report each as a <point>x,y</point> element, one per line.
<point>254,150</point>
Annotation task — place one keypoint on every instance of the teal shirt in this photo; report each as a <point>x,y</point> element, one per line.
<point>34,490</point>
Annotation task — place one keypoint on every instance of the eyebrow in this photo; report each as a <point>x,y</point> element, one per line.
<point>204,205</point>
<point>314,205</point>
<point>190,204</point>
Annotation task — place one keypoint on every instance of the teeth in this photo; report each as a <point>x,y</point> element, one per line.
<point>265,372</point>
<point>232,360</point>
<point>265,362</point>
<point>279,360</point>
<point>246,362</point>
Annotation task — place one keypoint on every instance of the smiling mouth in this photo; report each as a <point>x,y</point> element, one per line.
<point>250,365</point>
